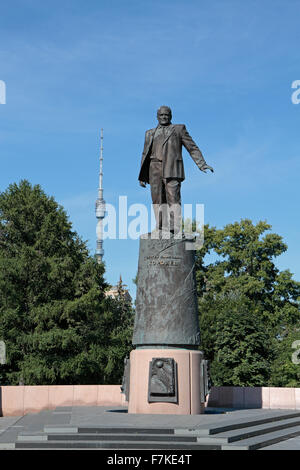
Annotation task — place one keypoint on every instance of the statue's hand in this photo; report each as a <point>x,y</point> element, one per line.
<point>142,184</point>
<point>206,167</point>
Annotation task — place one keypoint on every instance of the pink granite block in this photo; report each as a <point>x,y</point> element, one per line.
<point>139,376</point>
<point>61,395</point>
<point>109,395</point>
<point>12,398</point>
<point>282,398</point>
<point>124,402</point>
<point>266,397</point>
<point>36,398</point>
<point>297,398</point>
<point>195,381</point>
<point>85,395</point>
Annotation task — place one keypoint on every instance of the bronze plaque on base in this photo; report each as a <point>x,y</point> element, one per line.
<point>163,385</point>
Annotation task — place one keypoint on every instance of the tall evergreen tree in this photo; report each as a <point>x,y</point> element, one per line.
<point>57,324</point>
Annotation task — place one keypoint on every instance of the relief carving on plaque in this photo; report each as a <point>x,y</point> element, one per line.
<point>163,385</point>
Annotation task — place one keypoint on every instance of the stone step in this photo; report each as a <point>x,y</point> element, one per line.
<point>259,442</point>
<point>25,437</point>
<point>117,445</point>
<point>57,429</point>
<point>235,424</point>
<point>246,433</point>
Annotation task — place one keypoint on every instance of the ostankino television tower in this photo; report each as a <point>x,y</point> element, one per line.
<point>100,209</point>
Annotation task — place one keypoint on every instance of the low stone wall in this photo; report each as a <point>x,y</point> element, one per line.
<point>19,400</point>
<point>255,397</point>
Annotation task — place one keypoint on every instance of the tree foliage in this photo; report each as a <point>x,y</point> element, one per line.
<point>58,326</point>
<point>285,370</point>
<point>246,304</point>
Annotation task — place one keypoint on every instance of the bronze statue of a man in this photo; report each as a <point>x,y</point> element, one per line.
<point>162,165</point>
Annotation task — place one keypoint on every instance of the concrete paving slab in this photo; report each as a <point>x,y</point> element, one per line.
<point>71,419</point>
<point>261,441</point>
<point>32,422</point>
<point>7,421</point>
<point>289,444</point>
<point>110,416</point>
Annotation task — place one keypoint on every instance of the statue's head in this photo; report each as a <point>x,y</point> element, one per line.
<point>164,115</point>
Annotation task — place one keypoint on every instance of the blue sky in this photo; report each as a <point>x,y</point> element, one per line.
<point>225,67</point>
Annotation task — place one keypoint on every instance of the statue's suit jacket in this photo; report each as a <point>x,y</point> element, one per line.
<point>176,137</point>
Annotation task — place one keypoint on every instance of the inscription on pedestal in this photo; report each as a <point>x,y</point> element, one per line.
<point>163,385</point>
<point>163,260</point>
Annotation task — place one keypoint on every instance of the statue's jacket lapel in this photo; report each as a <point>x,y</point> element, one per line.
<point>170,131</point>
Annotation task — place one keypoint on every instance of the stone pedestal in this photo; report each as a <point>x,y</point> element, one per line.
<point>166,373</point>
<point>189,378</point>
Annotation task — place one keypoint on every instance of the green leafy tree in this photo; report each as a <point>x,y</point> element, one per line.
<point>57,324</point>
<point>242,350</point>
<point>285,370</point>
<point>242,267</point>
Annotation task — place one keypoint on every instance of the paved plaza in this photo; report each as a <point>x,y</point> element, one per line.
<point>84,427</point>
